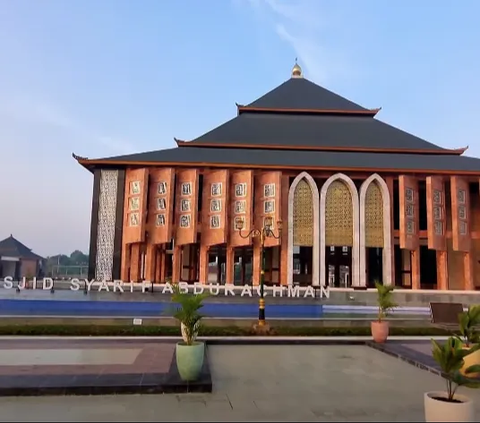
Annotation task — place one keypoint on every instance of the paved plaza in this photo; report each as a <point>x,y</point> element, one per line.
<point>263,383</point>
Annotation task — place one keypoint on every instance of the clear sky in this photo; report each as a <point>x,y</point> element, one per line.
<point>107,77</point>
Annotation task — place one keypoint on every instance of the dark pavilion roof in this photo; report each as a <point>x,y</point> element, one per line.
<point>300,93</point>
<point>11,247</point>
<point>302,125</point>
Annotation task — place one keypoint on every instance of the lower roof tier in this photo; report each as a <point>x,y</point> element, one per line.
<point>315,131</point>
<point>294,159</point>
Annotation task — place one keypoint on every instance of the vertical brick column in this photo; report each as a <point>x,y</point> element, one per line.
<point>177,263</point>
<point>150,262</point>
<point>415,255</point>
<point>203,264</point>
<point>135,262</point>
<point>230,266</point>
<point>442,270</point>
<point>468,272</point>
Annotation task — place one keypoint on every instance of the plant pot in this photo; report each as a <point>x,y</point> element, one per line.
<point>184,332</point>
<point>442,411</point>
<point>380,331</point>
<point>470,360</point>
<point>190,360</point>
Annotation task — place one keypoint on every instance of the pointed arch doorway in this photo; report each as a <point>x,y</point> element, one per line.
<point>340,224</point>
<point>303,231</point>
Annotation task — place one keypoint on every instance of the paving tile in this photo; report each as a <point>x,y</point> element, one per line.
<point>96,367</point>
<point>262,383</point>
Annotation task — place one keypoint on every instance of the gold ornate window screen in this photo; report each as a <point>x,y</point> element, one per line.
<point>303,215</point>
<point>374,216</point>
<point>338,215</point>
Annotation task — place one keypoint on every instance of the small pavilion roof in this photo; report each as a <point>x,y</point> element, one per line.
<point>11,247</point>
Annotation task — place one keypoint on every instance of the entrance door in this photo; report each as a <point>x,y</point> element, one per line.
<point>338,266</point>
<point>374,266</point>
<point>302,265</point>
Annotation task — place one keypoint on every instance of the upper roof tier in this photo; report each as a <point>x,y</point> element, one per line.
<point>300,94</point>
<point>299,114</point>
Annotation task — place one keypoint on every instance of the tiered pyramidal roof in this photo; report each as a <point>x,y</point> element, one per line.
<point>302,125</point>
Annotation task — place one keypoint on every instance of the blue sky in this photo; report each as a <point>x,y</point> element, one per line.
<point>102,78</point>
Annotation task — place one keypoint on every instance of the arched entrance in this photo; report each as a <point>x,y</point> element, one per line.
<point>375,239</point>
<point>303,231</point>
<point>339,238</point>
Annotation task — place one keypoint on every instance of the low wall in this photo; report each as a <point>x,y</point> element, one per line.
<point>403,297</point>
<point>337,296</point>
<point>211,322</point>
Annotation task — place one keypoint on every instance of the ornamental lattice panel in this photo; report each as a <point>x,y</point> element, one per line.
<point>338,215</point>
<point>107,211</point>
<point>303,215</point>
<point>374,216</point>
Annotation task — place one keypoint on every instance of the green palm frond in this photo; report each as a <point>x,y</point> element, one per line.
<point>384,300</point>
<point>187,310</point>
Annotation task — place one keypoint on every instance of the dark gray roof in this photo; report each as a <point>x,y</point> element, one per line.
<point>252,130</point>
<point>200,156</point>
<point>313,131</point>
<point>13,248</point>
<point>300,93</point>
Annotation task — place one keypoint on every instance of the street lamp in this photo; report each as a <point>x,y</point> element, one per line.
<point>265,232</point>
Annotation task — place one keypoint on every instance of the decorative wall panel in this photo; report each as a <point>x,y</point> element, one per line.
<point>186,206</point>
<point>160,213</point>
<point>460,194</point>
<point>436,216</point>
<point>214,207</point>
<point>338,215</point>
<point>268,192</point>
<point>241,206</point>
<point>409,213</point>
<point>135,204</point>
<point>106,224</point>
<point>303,221</point>
<point>374,227</point>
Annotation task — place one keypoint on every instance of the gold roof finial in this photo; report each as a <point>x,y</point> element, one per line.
<point>297,70</point>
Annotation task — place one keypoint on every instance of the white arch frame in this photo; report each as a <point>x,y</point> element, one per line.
<point>316,228</point>
<point>356,227</point>
<point>387,232</point>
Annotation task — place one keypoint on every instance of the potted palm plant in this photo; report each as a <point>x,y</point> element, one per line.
<point>192,303</point>
<point>469,336</point>
<point>448,406</point>
<point>380,327</point>
<point>189,353</point>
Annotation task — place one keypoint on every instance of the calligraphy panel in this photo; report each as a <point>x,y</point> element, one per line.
<point>268,193</point>
<point>186,206</point>
<point>241,206</point>
<point>409,212</point>
<point>214,207</point>
<point>160,205</point>
<point>460,204</point>
<point>134,212</point>
<point>436,216</point>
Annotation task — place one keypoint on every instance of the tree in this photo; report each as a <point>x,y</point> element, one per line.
<point>77,257</point>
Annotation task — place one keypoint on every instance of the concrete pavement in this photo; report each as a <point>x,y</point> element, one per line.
<point>264,383</point>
